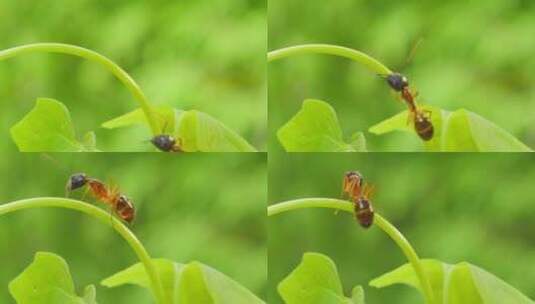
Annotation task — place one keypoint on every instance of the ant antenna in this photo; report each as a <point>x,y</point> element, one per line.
<point>54,161</point>
<point>412,51</point>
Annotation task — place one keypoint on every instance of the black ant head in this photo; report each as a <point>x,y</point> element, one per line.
<point>397,81</point>
<point>354,175</point>
<point>76,181</point>
<point>165,143</point>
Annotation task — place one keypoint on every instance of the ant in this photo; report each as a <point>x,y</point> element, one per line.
<point>118,202</point>
<point>167,143</point>
<point>421,119</point>
<point>359,193</point>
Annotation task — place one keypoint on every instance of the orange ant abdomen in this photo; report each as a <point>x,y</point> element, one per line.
<point>424,128</point>
<point>125,209</point>
<point>364,212</point>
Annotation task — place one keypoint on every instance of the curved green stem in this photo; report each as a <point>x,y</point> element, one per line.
<point>371,63</point>
<point>379,221</point>
<point>130,238</point>
<point>111,66</point>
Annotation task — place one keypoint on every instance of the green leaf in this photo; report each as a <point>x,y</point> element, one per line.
<point>314,281</point>
<point>165,115</point>
<point>48,280</point>
<point>90,295</point>
<point>201,132</point>
<point>89,141</point>
<point>459,131</point>
<point>197,131</point>
<point>358,142</point>
<point>192,283</point>
<point>456,284</point>
<point>48,128</point>
<point>467,131</point>
<point>358,295</point>
<point>315,128</point>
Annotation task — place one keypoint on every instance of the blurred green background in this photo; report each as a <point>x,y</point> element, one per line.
<point>207,55</point>
<point>476,55</point>
<point>451,207</point>
<point>195,207</point>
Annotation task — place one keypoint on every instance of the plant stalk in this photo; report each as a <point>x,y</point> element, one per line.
<point>379,221</point>
<point>103,216</point>
<point>369,62</point>
<point>111,66</point>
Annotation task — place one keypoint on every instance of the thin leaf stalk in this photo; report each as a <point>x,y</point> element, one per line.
<point>90,55</point>
<point>104,217</point>
<point>379,221</point>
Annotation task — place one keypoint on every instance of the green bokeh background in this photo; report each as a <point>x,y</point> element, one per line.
<point>476,55</point>
<point>453,207</point>
<point>207,55</point>
<point>194,207</point>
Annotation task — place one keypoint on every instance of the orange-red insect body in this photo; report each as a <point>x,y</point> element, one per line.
<point>352,185</point>
<point>359,193</point>
<point>118,202</point>
<point>422,124</point>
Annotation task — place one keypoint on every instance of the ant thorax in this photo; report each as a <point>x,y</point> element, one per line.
<point>352,184</point>
<point>99,189</point>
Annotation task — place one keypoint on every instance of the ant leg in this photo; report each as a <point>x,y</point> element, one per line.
<point>384,76</point>
<point>398,97</point>
<point>344,186</point>
<point>85,193</point>
<point>67,190</point>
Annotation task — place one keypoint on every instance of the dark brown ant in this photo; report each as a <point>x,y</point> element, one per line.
<point>363,207</point>
<point>166,143</point>
<point>419,118</point>
<point>118,202</point>
<point>352,184</point>
<point>359,193</point>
